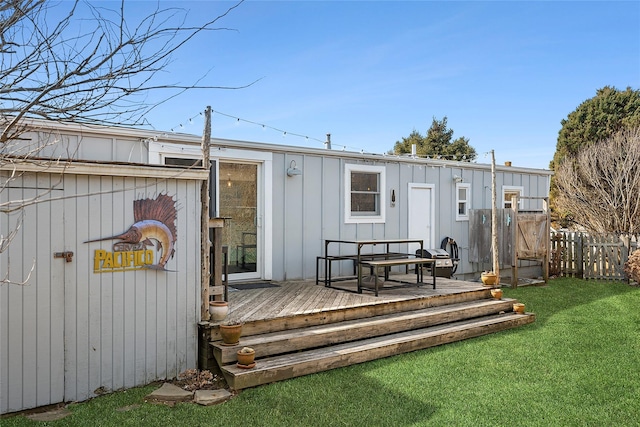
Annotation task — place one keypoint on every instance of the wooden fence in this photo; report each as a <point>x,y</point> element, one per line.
<point>591,256</point>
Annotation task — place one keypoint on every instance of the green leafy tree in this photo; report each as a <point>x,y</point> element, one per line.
<point>597,119</point>
<point>437,142</point>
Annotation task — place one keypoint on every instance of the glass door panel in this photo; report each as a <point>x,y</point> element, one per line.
<point>238,197</point>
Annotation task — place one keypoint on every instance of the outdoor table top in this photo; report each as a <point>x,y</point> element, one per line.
<point>373,241</point>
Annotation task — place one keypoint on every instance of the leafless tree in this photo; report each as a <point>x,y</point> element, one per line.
<point>83,62</point>
<point>95,70</point>
<point>600,187</point>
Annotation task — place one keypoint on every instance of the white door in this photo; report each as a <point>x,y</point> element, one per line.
<point>421,215</point>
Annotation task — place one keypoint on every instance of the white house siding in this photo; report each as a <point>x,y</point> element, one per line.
<point>70,334</point>
<point>309,208</point>
<point>306,209</point>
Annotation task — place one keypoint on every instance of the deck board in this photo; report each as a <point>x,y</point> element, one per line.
<point>302,297</point>
<point>266,305</point>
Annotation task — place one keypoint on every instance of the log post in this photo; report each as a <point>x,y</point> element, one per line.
<point>494,220</point>
<point>204,216</point>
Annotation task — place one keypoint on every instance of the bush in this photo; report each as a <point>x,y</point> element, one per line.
<point>632,267</point>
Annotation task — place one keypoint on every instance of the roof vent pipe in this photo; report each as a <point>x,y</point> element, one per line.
<point>413,150</point>
<point>327,144</point>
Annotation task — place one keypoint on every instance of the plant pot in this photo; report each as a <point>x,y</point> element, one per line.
<point>489,278</point>
<point>218,310</point>
<point>246,359</point>
<point>518,308</point>
<point>230,334</point>
<point>496,293</point>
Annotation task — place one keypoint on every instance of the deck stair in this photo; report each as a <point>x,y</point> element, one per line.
<point>303,350</point>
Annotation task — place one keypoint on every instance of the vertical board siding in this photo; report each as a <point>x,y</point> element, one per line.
<point>309,208</point>
<point>72,334</point>
<point>31,338</point>
<point>293,215</point>
<point>311,213</point>
<point>277,193</point>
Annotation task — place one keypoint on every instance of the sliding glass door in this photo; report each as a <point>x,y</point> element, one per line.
<point>238,204</point>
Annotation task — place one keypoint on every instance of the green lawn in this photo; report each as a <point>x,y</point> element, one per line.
<point>578,364</point>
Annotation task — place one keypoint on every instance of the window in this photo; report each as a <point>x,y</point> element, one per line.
<point>365,193</point>
<point>182,161</point>
<point>463,201</point>
<point>508,191</point>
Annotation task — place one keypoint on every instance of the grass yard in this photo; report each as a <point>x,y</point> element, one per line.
<point>577,365</point>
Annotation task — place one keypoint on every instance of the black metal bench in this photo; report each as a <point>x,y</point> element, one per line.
<point>328,260</point>
<point>388,263</point>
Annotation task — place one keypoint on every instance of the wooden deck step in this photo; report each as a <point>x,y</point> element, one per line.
<point>371,306</point>
<point>323,335</point>
<point>278,368</point>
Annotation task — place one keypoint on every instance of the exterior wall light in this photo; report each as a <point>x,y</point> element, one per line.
<point>293,170</point>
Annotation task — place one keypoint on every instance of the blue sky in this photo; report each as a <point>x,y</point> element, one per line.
<point>505,73</point>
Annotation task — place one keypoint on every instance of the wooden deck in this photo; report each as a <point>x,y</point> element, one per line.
<point>296,298</point>
<point>300,328</point>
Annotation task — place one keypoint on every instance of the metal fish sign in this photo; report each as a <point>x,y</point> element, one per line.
<point>155,219</point>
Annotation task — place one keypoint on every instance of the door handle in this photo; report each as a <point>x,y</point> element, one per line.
<point>67,255</point>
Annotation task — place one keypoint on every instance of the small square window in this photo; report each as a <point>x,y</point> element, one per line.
<point>364,192</point>
<point>463,201</point>
<point>510,191</point>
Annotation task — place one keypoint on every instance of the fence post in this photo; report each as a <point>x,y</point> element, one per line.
<point>579,255</point>
<point>626,251</point>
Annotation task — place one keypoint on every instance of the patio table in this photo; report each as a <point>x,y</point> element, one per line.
<point>360,258</point>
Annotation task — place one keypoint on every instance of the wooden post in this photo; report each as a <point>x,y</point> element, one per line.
<point>217,290</point>
<point>547,257</point>
<point>515,201</point>
<point>204,216</point>
<point>494,220</point>
<point>580,254</point>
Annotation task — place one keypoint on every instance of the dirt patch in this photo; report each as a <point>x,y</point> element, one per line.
<point>193,379</point>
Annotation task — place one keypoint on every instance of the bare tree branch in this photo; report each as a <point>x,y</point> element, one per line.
<point>600,187</point>
<point>93,75</point>
<point>80,62</point>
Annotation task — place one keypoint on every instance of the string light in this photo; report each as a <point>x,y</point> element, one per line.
<point>307,138</point>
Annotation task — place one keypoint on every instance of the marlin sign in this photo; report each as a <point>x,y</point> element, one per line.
<point>154,219</point>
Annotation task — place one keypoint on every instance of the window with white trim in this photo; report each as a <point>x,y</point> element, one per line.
<point>463,201</point>
<point>508,191</point>
<point>364,193</point>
